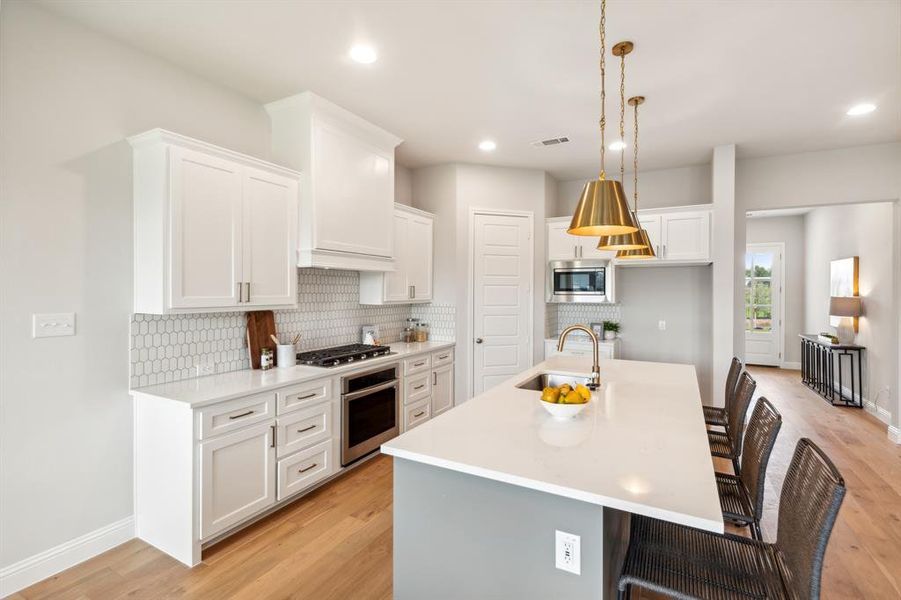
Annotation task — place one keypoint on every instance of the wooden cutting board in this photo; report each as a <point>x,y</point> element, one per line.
<point>260,325</point>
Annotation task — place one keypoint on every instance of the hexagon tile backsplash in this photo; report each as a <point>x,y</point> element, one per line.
<point>169,347</point>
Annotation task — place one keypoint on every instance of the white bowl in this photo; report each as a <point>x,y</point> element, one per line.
<point>563,411</point>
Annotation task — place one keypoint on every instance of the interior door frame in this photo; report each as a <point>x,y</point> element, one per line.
<point>781,363</point>
<point>470,288</point>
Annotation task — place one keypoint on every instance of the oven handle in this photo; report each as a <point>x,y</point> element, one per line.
<point>370,390</point>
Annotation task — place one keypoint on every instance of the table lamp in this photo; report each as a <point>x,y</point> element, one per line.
<point>848,308</point>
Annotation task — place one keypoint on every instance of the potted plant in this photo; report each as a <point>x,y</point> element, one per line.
<point>611,329</point>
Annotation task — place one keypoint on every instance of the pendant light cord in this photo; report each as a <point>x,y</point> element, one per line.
<point>622,116</point>
<point>635,162</point>
<point>603,121</point>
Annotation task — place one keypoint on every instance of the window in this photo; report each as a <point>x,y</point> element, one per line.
<point>758,291</point>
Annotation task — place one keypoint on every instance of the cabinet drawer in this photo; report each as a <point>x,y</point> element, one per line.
<point>417,387</point>
<point>235,414</point>
<point>305,394</point>
<point>304,428</point>
<point>415,414</point>
<point>301,470</point>
<point>417,364</point>
<point>443,357</point>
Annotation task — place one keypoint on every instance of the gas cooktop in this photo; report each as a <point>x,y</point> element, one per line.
<point>340,355</point>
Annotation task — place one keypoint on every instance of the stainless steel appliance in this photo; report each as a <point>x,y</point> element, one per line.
<point>580,281</point>
<point>370,411</point>
<point>339,355</point>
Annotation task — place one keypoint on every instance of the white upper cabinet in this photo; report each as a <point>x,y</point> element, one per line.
<point>214,229</point>
<point>680,236</point>
<point>347,193</point>
<point>563,246</point>
<point>411,280</point>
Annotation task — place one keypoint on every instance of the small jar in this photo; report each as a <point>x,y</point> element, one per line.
<point>266,359</point>
<point>408,335</point>
<point>422,332</point>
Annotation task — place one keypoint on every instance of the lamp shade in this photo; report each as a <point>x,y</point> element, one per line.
<point>626,241</point>
<point>844,306</point>
<point>602,210</point>
<point>644,253</point>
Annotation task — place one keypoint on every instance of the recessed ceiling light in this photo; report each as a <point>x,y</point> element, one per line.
<point>861,109</point>
<point>617,145</point>
<point>487,145</point>
<point>363,54</point>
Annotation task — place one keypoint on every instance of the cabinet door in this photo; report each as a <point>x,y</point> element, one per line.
<point>205,256</point>
<point>442,389</point>
<point>561,245</point>
<point>589,250</point>
<point>237,474</point>
<point>397,286</point>
<point>651,224</point>
<point>686,236</point>
<point>419,257</point>
<point>270,238</point>
<point>354,186</point>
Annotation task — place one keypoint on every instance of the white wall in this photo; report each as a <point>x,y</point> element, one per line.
<point>863,230</point>
<point>68,99</point>
<point>658,188</point>
<point>403,185</point>
<point>790,231</point>
<point>843,176</point>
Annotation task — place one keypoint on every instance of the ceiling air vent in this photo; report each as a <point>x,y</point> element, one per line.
<point>550,141</point>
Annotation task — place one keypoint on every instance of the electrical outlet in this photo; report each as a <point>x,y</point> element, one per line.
<point>568,555</point>
<point>661,325</point>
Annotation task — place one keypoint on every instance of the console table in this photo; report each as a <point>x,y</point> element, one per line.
<point>822,363</point>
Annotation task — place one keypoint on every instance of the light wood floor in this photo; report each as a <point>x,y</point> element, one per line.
<point>336,543</point>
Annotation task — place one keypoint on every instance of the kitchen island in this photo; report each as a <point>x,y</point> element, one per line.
<point>480,491</point>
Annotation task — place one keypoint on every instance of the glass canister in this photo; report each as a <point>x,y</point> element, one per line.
<point>422,332</point>
<point>408,335</point>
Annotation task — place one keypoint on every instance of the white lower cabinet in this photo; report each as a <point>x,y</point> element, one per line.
<point>237,475</point>
<point>417,413</point>
<point>304,428</point>
<point>442,389</point>
<point>302,469</point>
<point>428,387</point>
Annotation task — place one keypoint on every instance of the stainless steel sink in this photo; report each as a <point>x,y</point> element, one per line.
<point>543,380</point>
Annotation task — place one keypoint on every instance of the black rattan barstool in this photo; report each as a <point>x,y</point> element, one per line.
<point>741,497</point>
<point>715,415</point>
<point>681,562</point>
<point>727,444</point>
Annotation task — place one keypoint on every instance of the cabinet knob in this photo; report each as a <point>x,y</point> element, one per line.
<point>478,340</point>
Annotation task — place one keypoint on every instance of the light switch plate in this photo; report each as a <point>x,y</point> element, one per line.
<point>53,325</point>
<point>661,325</point>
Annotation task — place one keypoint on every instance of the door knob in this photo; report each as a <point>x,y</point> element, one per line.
<point>478,340</point>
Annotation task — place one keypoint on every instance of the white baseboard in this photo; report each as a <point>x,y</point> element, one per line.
<point>877,411</point>
<point>50,562</point>
<point>794,366</point>
<point>894,434</point>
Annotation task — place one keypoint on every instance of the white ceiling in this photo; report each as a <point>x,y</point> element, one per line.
<point>773,77</point>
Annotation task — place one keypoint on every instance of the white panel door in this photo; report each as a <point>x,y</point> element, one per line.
<point>442,389</point>
<point>237,475</point>
<point>763,304</point>
<point>651,224</point>
<point>205,258</point>
<point>502,298</point>
<point>686,236</point>
<point>396,286</point>
<point>270,238</point>
<point>561,245</point>
<point>354,184</point>
<point>419,258</point>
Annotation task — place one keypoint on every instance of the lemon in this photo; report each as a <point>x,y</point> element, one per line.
<point>565,389</point>
<point>574,398</point>
<point>551,395</point>
<point>584,391</point>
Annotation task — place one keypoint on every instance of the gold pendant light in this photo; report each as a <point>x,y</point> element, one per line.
<point>623,241</point>
<point>602,208</point>
<point>646,251</point>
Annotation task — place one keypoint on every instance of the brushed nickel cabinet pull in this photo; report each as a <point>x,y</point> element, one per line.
<point>306,429</point>
<point>248,291</point>
<point>419,364</point>
<point>419,387</point>
<point>274,433</point>
<point>443,356</point>
<point>304,470</point>
<point>308,396</point>
<point>233,417</point>
<point>434,378</point>
<point>419,414</point>
<point>414,291</point>
<point>240,293</point>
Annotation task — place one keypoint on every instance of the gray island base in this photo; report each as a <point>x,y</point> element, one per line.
<point>462,537</point>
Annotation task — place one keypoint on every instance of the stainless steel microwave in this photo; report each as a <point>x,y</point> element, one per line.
<point>580,281</point>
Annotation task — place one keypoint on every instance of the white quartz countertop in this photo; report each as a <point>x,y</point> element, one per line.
<point>639,446</point>
<point>217,388</point>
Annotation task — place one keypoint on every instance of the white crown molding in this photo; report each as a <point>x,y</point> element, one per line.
<point>33,569</point>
